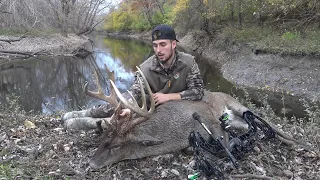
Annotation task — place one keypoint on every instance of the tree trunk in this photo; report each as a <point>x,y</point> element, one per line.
<point>65,4</point>
<point>160,7</point>
<point>240,13</point>
<point>148,15</point>
<point>232,11</point>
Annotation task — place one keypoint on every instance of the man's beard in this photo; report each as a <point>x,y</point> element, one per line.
<point>166,60</point>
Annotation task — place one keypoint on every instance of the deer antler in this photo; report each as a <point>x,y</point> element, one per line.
<point>133,105</point>
<point>112,99</point>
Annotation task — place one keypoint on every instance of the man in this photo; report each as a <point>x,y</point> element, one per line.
<point>172,75</point>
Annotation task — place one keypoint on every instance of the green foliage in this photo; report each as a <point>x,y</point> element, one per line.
<point>276,41</point>
<point>290,36</point>
<point>121,21</point>
<point>8,31</point>
<point>12,105</point>
<point>131,16</point>
<point>248,34</point>
<point>275,26</point>
<point>139,23</point>
<point>33,32</point>
<point>8,171</point>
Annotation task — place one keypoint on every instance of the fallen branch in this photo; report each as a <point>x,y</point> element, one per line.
<point>19,52</point>
<point>8,40</point>
<point>252,176</point>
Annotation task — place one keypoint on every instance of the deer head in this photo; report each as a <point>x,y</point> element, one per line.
<point>116,128</point>
<point>121,125</point>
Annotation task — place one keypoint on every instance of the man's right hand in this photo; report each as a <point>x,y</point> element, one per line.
<point>125,112</point>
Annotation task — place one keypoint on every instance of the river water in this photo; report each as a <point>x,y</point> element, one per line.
<point>53,84</point>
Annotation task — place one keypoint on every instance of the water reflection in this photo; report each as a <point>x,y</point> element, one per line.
<point>50,84</point>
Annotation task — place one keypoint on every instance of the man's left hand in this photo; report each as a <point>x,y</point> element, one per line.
<point>161,98</point>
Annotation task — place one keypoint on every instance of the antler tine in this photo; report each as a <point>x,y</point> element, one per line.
<point>112,98</point>
<point>152,103</point>
<point>134,105</point>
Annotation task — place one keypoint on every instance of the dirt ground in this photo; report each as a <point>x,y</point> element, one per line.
<point>44,150</point>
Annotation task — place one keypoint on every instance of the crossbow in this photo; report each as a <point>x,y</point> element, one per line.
<point>210,154</point>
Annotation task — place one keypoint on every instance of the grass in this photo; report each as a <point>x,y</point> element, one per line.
<point>9,171</point>
<point>33,32</point>
<point>287,42</point>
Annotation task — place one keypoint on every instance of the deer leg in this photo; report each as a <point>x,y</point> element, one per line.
<point>83,123</point>
<point>76,114</point>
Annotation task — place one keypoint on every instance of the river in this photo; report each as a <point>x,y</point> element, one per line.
<point>52,84</point>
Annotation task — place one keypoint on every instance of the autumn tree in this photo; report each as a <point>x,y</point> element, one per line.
<point>142,14</point>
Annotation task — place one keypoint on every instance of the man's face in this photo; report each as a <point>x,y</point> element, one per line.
<point>164,49</point>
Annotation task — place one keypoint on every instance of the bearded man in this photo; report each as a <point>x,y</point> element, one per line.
<point>172,75</point>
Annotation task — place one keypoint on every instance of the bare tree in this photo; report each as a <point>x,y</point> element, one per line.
<point>77,16</point>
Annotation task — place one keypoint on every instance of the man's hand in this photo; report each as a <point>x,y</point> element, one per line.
<point>161,98</point>
<point>125,112</point>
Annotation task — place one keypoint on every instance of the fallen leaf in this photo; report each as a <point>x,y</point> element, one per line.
<point>29,124</point>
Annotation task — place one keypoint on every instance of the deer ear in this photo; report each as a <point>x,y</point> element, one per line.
<point>146,140</point>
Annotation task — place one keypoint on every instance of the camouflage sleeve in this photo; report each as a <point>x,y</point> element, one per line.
<point>195,85</point>
<point>135,88</point>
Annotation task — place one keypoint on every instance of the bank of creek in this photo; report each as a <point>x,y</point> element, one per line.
<point>284,79</point>
<point>53,84</point>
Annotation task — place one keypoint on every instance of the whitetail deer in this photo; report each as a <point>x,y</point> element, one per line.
<point>158,130</point>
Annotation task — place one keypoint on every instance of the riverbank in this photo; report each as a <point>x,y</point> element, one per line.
<point>240,64</point>
<point>52,45</point>
<point>293,75</point>
<point>246,67</point>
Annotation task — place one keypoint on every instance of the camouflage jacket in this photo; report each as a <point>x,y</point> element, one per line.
<point>182,77</point>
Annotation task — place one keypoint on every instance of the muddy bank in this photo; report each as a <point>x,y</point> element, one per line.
<point>240,64</point>
<point>53,45</point>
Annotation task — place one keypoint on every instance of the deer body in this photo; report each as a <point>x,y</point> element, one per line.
<point>158,130</point>
<point>168,129</point>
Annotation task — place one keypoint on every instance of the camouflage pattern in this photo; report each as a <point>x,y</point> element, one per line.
<point>102,111</point>
<point>190,89</point>
<point>195,85</point>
